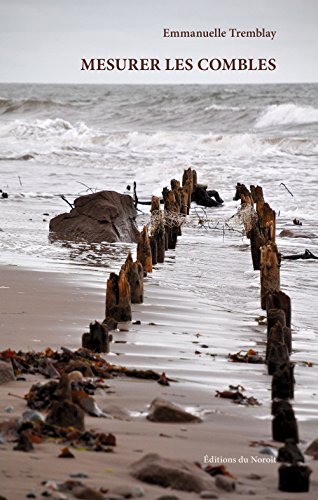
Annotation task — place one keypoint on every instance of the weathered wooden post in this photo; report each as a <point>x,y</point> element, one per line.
<point>277,351</point>
<point>98,338</point>
<point>280,300</point>
<point>135,275</point>
<point>284,424</point>
<point>270,271</point>
<point>144,251</point>
<point>278,315</point>
<point>154,250</point>
<point>155,204</point>
<point>294,478</point>
<point>118,301</point>
<point>283,381</point>
<point>171,207</point>
<point>189,180</point>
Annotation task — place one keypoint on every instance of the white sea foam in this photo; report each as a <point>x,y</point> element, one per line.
<point>219,107</point>
<point>287,114</point>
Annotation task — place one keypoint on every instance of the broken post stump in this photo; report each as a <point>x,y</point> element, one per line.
<point>243,194</point>
<point>267,222</point>
<point>290,453</point>
<point>189,181</point>
<point>257,241</point>
<point>257,195</point>
<point>283,381</point>
<point>184,197</point>
<point>171,207</point>
<point>97,339</point>
<point>276,351</point>
<point>144,251</point>
<point>155,204</point>
<point>280,300</point>
<point>270,271</point>
<point>294,478</point>
<point>273,317</point>
<point>154,250</point>
<point>118,301</point>
<point>284,424</point>
<point>135,275</point>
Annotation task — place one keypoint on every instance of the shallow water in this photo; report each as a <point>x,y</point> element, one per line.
<point>57,139</point>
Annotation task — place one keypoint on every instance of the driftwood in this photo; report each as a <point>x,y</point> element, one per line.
<point>303,256</point>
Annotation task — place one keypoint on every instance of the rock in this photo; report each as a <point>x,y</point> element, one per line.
<point>87,493</point>
<point>208,494</point>
<point>79,365</point>
<point>102,216</point>
<point>205,198</point>
<point>224,483</point>
<point>162,410</point>
<point>66,414</point>
<point>287,233</point>
<point>30,494</point>
<point>167,472</point>
<point>312,449</point>
<point>76,377</point>
<point>113,496</point>
<point>33,416</point>
<point>137,492</point>
<point>168,497</point>
<point>6,372</point>
<point>127,491</point>
<point>269,451</point>
<point>24,443</point>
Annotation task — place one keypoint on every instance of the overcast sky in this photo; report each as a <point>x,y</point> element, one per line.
<point>44,40</point>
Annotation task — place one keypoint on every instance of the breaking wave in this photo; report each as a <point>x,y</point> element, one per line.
<point>287,114</point>
<point>29,104</point>
<point>62,137</point>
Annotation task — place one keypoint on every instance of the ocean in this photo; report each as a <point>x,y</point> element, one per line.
<point>72,139</point>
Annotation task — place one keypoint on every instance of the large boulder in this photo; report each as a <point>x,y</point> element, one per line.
<point>162,410</point>
<point>177,474</point>
<point>103,216</point>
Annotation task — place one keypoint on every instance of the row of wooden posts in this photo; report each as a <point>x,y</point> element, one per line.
<point>127,287</point>
<point>261,230</point>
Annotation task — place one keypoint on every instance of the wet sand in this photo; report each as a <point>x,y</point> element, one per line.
<point>54,311</point>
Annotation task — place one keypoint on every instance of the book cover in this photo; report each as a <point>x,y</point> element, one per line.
<point>158,249</point>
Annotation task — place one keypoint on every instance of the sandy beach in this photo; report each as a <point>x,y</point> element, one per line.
<point>54,312</point>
